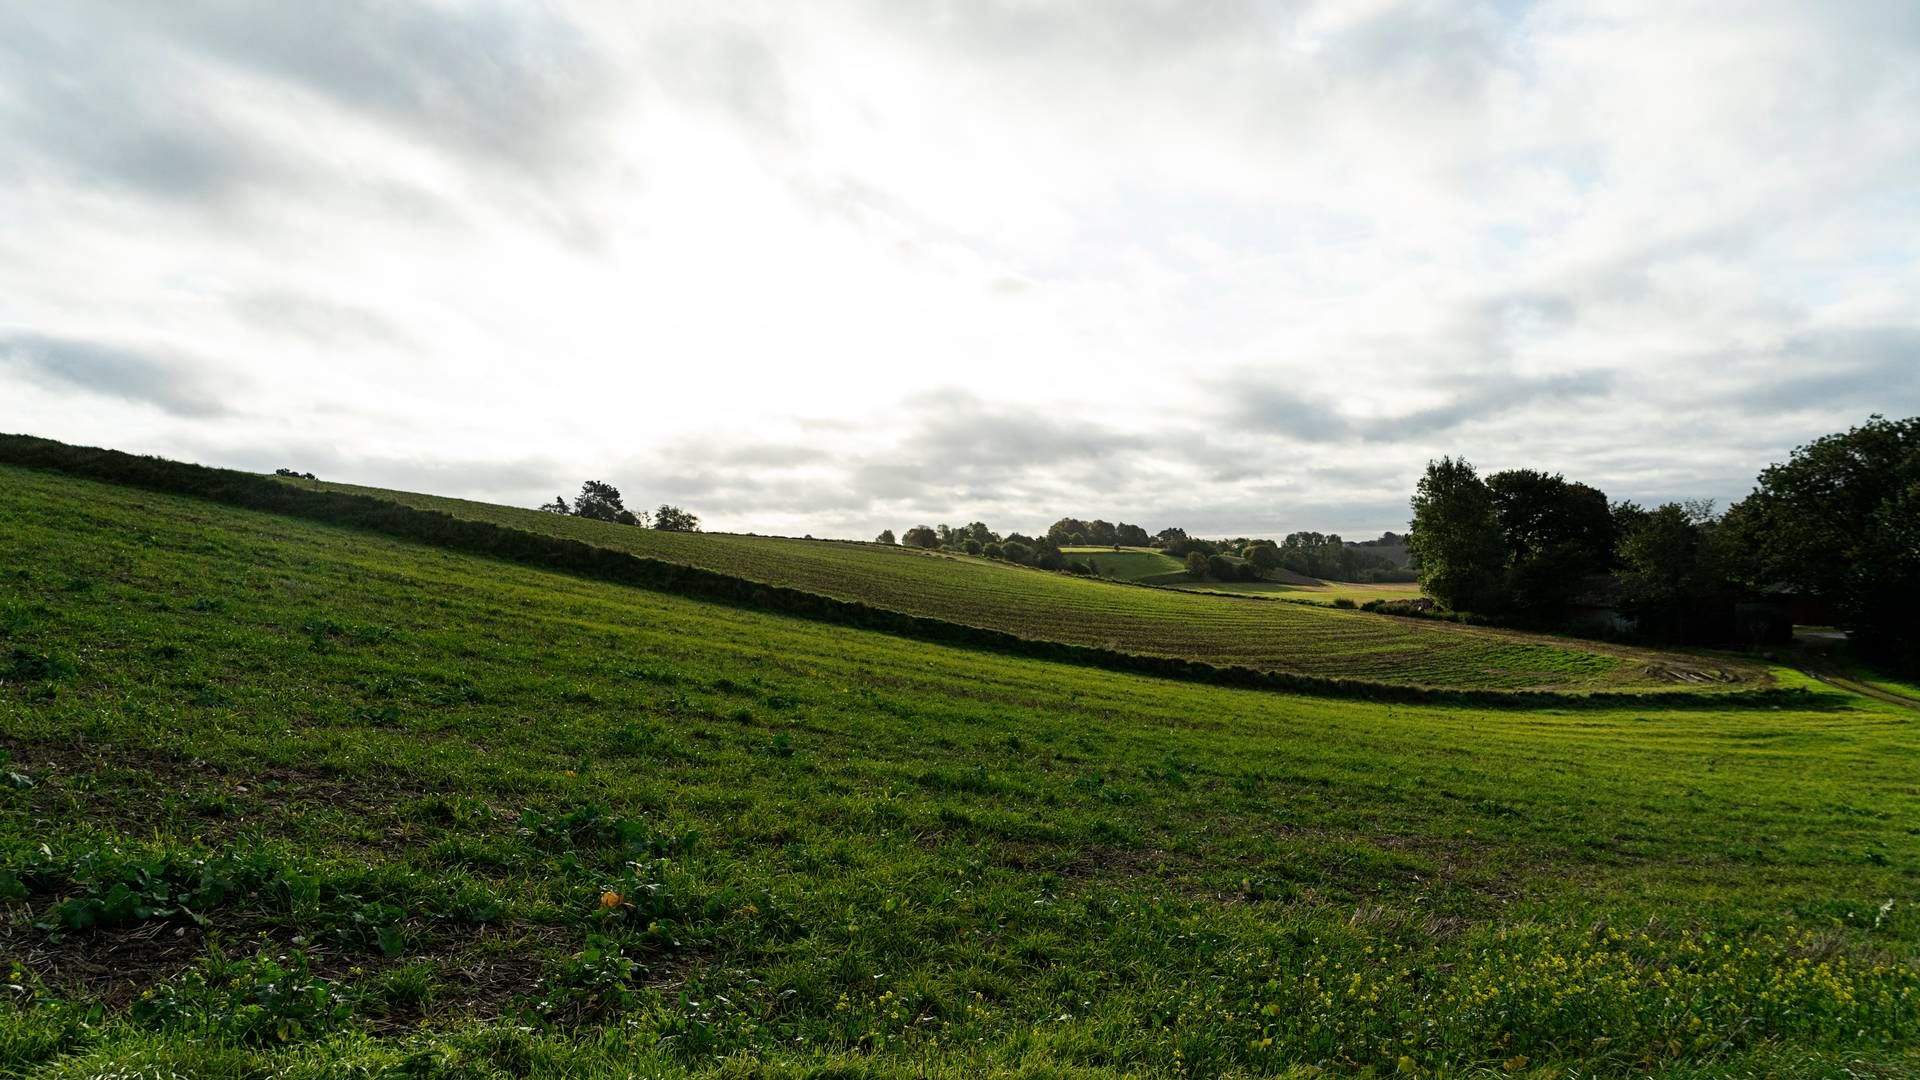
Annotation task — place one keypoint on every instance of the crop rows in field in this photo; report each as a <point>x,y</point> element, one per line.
<point>1134,619</point>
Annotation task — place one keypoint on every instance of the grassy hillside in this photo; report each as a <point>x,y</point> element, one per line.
<point>1057,607</point>
<point>1128,564</point>
<point>283,797</point>
<point>1324,592</point>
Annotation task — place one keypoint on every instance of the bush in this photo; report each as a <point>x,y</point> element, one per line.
<point>1343,602</point>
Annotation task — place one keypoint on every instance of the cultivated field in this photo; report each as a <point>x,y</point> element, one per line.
<point>288,799</point>
<point>1325,592</point>
<point>1161,622</point>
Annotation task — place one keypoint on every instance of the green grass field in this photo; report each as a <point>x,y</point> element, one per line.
<point>1162,622</point>
<point>1129,564</point>
<point>1325,592</point>
<point>285,799</point>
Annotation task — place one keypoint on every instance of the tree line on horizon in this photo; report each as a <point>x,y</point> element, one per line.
<point>1319,555</point>
<point>1837,523</point>
<point>601,501</point>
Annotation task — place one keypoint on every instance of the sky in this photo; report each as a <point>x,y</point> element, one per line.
<point>834,267</point>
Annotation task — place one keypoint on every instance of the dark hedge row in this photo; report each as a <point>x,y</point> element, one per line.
<point>257,492</point>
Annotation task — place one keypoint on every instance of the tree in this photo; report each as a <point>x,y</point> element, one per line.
<point>674,519</point>
<point>978,532</point>
<point>1196,565</point>
<point>1100,533</point>
<point>1262,556</point>
<point>885,537</point>
<point>1539,512</point>
<point>921,536</point>
<point>1063,531</point>
<point>1130,535</point>
<point>598,500</point>
<point>1675,572</point>
<point>1556,533</point>
<point>971,546</point>
<point>1016,552</point>
<point>1219,567</point>
<point>1456,536</point>
<point>557,506</point>
<point>1837,520</point>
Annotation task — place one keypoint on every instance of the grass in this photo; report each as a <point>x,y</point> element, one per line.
<point>1325,592</point>
<point>1046,606</point>
<point>284,798</point>
<point>1128,564</point>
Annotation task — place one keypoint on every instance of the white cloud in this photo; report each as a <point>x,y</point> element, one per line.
<point>1236,266</point>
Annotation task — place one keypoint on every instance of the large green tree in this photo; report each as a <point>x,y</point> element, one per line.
<point>1456,536</point>
<point>1841,518</point>
<point>1556,533</point>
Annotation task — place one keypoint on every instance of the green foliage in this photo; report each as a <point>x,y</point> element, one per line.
<point>1557,534</point>
<point>594,983</point>
<point>1838,520</point>
<point>262,999</point>
<point>675,520</point>
<point>1456,537</point>
<point>600,501</point>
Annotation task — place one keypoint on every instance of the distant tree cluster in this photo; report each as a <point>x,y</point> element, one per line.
<point>295,474</point>
<point>1073,532</point>
<point>601,501</point>
<point>1235,559</point>
<point>1839,522</point>
<point>976,538</point>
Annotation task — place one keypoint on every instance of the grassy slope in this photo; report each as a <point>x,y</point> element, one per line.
<point>1127,564</point>
<point>1325,592</point>
<point>911,859</point>
<point>1059,607</point>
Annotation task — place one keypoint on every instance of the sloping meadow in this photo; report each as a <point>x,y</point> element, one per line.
<point>1044,606</point>
<point>288,796</point>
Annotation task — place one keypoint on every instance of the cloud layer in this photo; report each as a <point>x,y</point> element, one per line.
<point>868,263</point>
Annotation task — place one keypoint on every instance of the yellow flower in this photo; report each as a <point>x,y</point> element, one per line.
<point>611,899</point>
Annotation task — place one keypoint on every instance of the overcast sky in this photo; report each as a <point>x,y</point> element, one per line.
<point>829,267</point>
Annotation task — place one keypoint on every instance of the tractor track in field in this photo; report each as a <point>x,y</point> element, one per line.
<point>1854,686</point>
